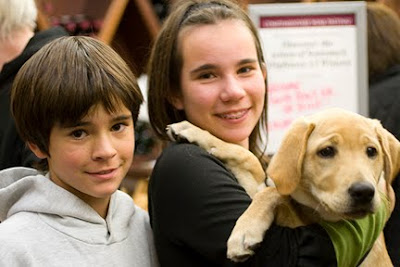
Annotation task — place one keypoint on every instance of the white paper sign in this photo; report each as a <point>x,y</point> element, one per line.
<point>316,58</point>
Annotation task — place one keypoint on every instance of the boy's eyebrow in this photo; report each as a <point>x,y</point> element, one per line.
<point>85,123</point>
<point>122,118</point>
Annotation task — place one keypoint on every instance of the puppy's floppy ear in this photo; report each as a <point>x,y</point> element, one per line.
<point>286,165</point>
<point>391,150</point>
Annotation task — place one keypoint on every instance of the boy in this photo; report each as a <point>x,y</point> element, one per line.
<point>75,103</point>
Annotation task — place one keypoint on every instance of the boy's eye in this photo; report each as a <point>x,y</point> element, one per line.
<point>78,134</point>
<point>118,127</point>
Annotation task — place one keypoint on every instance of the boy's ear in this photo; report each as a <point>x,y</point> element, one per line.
<point>37,151</point>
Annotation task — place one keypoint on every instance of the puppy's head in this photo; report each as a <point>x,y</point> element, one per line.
<point>333,161</point>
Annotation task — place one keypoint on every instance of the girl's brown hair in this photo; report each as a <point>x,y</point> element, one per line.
<point>165,63</point>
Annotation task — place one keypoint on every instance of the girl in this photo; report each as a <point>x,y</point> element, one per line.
<point>207,67</point>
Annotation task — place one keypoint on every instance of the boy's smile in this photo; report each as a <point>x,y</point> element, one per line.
<point>91,158</point>
<point>105,174</point>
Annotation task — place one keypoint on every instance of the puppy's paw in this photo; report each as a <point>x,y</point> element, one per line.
<point>242,243</point>
<point>185,131</point>
<point>181,131</point>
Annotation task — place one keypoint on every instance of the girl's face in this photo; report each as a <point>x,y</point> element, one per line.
<point>223,88</point>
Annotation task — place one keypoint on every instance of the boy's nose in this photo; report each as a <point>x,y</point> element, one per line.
<point>232,90</point>
<point>103,148</point>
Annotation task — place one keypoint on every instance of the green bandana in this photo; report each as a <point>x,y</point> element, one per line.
<point>353,239</point>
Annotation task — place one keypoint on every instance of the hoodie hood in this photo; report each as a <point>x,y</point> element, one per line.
<point>28,190</point>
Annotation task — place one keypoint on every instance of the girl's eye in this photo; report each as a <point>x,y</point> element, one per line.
<point>78,134</point>
<point>118,127</point>
<point>206,76</point>
<point>245,69</point>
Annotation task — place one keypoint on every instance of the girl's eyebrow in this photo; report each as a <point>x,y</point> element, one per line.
<point>211,66</point>
<point>202,68</point>
<point>247,60</point>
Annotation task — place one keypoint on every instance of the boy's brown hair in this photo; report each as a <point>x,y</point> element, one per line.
<point>63,80</point>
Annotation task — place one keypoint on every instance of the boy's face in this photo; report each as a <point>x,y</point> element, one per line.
<point>91,158</point>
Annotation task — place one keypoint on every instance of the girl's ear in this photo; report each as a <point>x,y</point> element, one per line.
<point>37,151</point>
<point>177,102</point>
<point>264,70</point>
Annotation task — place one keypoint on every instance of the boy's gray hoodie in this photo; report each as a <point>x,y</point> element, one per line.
<point>42,224</point>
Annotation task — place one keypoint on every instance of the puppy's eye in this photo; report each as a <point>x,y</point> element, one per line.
<point>371,152</point>
<point>327,152</point>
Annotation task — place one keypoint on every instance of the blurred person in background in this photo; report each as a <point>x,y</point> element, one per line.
<point>18,42</point>
<point>393,4</point>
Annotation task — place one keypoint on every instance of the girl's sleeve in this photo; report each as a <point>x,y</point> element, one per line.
<point>392,233</point>
<point>195,202</point>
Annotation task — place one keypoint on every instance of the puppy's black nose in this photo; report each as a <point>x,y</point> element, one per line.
<point>362,193</point>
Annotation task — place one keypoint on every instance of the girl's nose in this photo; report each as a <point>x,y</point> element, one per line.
<point>103,148</point>
<point>232,90</point>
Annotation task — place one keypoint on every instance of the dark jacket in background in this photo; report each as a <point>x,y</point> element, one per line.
<point>13,151</point>
<point>384,105</point>
<point>384,99</point>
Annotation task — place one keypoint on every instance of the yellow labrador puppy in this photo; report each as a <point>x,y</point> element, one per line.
<point>333,165</point>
